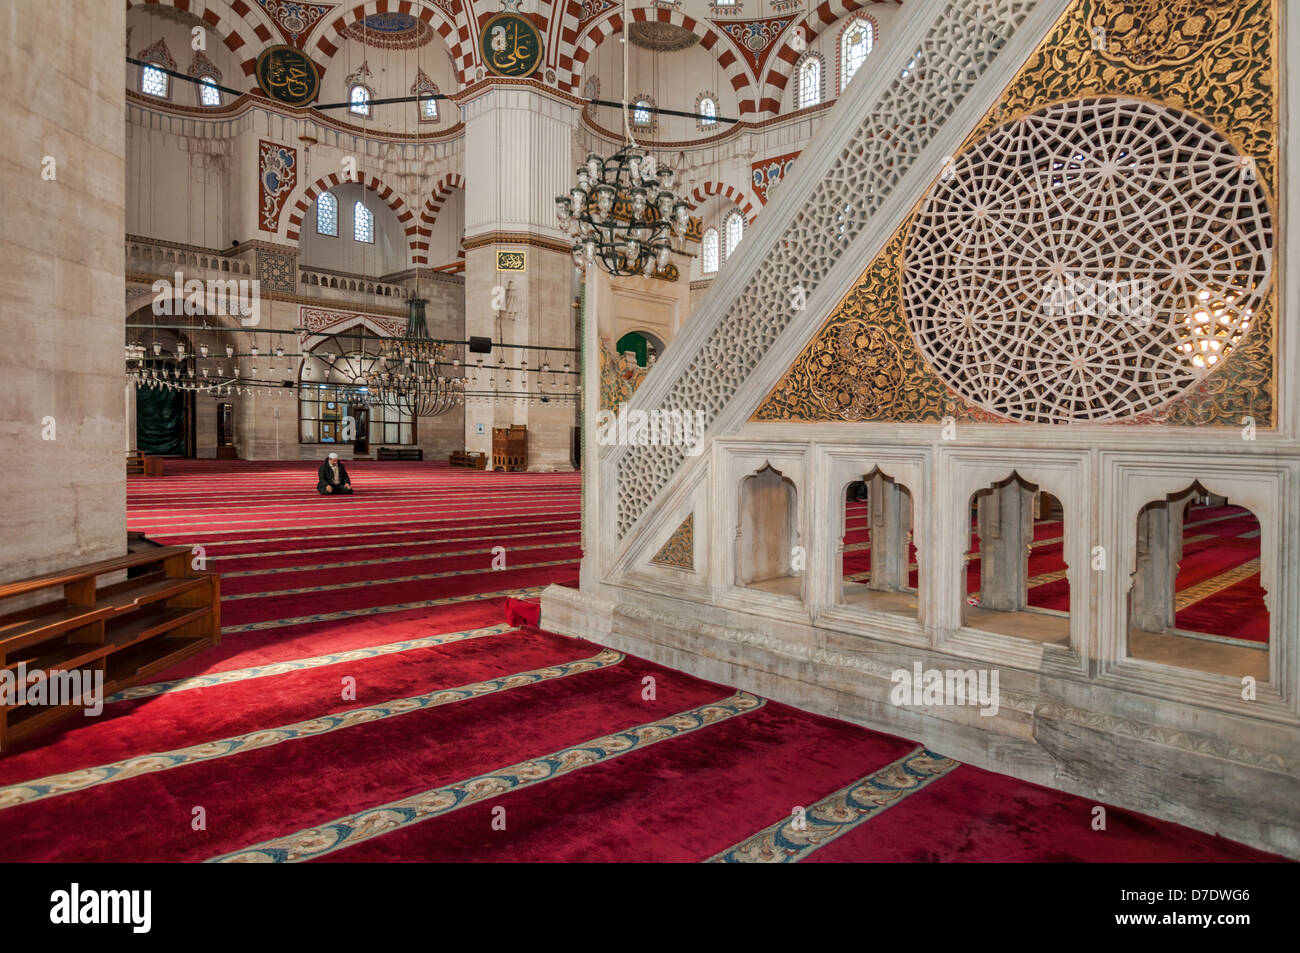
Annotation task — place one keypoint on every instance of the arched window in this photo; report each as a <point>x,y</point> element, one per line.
<point>642,111</point>
<point>333,384</point>
<point>856,41</point>
<point>423,86</point>
<point>207,89</point>
<point>733,226</point>
<point>709,251</point>
<point>808,92</point>
<point>359,97</point>
<point>706,111</point>
<point>153,81</point>
<point>359,91</point>
<point>363,224</point>
<point>327,215</point>
<point>209,95</point>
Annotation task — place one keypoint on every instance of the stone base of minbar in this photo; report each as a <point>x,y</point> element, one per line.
<point>1209,770</point>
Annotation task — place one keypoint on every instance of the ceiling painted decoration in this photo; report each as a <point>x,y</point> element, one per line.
<point>756,39</point>
<point>295,20</point>
<point>391,31</point>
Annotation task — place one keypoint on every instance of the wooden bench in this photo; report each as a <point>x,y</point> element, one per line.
<point>126,630</point>
<point>135,463</point>
<point>472,460</point>
<point>400,453</point>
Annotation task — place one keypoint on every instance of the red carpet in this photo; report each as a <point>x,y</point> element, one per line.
<point>381,694</point>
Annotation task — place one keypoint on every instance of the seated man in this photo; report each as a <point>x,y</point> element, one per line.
<point>333,476</point>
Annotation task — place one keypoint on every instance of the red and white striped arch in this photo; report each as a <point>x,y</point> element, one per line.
<point>386,195</point>
<point>429,215</point>
<point>329,34</point>
<point>570,68</point>
<point>703,192</point>
<point>827,14</point>
<point>238,23</point>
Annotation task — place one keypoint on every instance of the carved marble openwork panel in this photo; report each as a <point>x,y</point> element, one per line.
<point>1151,209</point>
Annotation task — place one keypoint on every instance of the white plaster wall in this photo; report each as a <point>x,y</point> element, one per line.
<point>343,252</point>
<point>393,73</point>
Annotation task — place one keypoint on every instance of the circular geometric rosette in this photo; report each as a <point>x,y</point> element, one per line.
<point>1087,262</point>
<point>855,370</point>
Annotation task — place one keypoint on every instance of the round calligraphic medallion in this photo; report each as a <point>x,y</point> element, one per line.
<point>510,45</point>
<point>287,75</point>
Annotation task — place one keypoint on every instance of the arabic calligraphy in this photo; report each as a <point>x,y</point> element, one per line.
<point>512,261</point>
<point>510,45</point>
<point>286,74</point>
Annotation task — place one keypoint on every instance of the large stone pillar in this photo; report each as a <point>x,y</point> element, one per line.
<point>62,313</point>
<point>517,160</point>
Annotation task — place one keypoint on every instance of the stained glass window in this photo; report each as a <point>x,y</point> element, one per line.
<point>709,251</point>
<point>709,110</point>
<point>855,43</point>
<point>734,225</point>
<point>363,224</point>
<point>360,99</point>
<point>810,82</point>
<point>327,214</point>
<point>209,95</point>
<point>153,81</point>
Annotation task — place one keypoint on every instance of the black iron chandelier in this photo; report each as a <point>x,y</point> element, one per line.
<point>623,213</point>
<point>410,378</point>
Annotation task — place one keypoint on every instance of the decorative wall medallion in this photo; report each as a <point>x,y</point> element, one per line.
<point>679,550</point>
<point>1146,32</point>
<point>391,31</point>
<point>855,371</point>
<point>769,173</point>
<point>295,20</point>
<point>1088,262</point>
<point>512,261</point>
<point>277,176</point>
<point>510,45</point>
<point>287,75</point>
